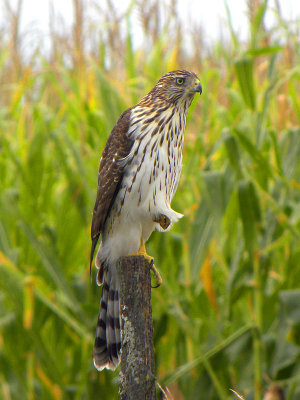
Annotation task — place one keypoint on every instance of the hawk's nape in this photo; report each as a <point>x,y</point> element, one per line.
<point>138,177</point>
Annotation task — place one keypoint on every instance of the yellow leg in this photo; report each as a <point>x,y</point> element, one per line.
<point>142,251</point>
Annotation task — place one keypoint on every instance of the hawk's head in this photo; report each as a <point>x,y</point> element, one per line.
<point>177,86</point>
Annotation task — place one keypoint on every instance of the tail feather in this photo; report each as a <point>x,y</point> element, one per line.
<point>107,345</point>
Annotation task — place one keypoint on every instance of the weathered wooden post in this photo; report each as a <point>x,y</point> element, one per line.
<point>137,380</point>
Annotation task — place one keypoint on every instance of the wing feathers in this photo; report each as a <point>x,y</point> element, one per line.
<point>110,175</point>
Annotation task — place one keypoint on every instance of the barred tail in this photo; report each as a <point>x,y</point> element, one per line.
<point>107,345</point>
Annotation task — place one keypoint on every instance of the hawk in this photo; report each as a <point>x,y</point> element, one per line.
<point>138,176</point>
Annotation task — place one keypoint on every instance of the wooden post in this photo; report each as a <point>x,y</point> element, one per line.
<point>137,380</point>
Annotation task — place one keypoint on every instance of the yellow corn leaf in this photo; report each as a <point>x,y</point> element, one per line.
<point>173,64</point>
<point>91,88</point>
<point>21,87</point>
<point>28,302</point>
<point>295,183</point>
<point>206,278</point>
<point>53,388</point>
<point>6,261</point>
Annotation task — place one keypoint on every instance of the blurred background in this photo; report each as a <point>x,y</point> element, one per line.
<point>227,315</point>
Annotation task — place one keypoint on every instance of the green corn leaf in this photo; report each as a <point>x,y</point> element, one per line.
<point>249,213</point>
<point>254,153</point>
<point>36,162</point>
<point>244,68</point>
<point>256,26</point>
<point>52,267</point>
<point>263,51</point>
<point>232,149</point>
<point>217,192</point>
<point>184,369</point>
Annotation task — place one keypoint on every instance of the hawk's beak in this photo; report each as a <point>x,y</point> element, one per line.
<point>197,87</point>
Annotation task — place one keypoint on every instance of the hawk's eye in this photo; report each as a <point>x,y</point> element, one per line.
<point>180,81</point>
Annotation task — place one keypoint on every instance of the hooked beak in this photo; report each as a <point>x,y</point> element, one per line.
<point>198,87</point>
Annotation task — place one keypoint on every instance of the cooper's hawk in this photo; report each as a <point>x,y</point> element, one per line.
<point>138,176</point>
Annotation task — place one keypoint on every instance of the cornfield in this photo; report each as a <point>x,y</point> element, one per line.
<point>227,315</point>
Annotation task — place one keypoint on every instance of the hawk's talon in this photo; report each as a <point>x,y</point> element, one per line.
<point>156,275</point>
<point>142,251</point>
<point>163,221</point>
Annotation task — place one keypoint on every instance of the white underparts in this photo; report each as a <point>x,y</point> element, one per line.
<point>151,175</point>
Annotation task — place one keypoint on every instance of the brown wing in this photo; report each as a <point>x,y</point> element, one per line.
<point>110,175</point>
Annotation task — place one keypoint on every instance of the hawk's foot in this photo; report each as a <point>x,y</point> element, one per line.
<point>142,251</point>
<point>156,275</point>
<point>163,221</point>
